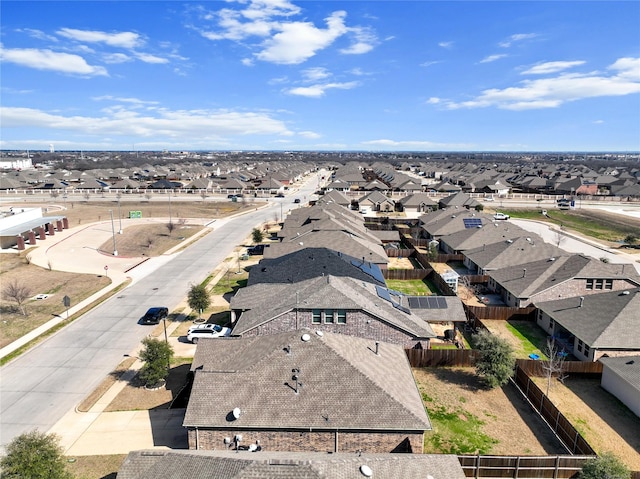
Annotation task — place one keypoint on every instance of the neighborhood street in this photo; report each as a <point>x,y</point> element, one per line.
<point>42,385</point>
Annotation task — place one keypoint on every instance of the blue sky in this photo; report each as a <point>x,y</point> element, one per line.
<point>331,75</point>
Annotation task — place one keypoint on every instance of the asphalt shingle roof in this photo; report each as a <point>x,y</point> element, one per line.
<point>604,321</point>
<point>190,464</point>
<point>345,384</point>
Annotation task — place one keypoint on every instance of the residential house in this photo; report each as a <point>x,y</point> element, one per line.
<point>417,202</point>
<point>304,391</point>
<point>377,201</point>
<point>595,325</point>
<point>562,276</point>
<point>258,463</point>
<point>510,253</point>
<point>462,200</point>
<point>621,377</point>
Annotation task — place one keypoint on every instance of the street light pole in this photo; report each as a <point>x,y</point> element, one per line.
<point>113,232</point>
<point>119,217</point>
<point>169,207</point>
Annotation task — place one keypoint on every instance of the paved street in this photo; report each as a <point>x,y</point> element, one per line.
<point>48,381</point>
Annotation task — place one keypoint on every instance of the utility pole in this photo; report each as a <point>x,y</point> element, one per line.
<point>113,232</point>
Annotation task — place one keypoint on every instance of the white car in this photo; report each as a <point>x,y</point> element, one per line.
<point>500,216</point>
<point>198,331</point>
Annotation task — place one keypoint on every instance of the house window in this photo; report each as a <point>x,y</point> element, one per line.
<point>342,316</point>
<point>580,343</point>
<point>599,283</point>
<point>551,323</point>
<point>328,316</point>
<point>589,284</point>
<point>317,316</point>
<point>586,350</point>
<point>608,284</point>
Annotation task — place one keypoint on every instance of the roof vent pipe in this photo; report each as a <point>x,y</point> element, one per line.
<point>524,272</point>
<point>377,347</point>
<point>581,301</point>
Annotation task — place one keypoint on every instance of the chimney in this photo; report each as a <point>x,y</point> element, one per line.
<point>581,301</point>
<point>377,347</point>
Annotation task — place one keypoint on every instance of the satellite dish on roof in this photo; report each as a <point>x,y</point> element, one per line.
<point>366,471</point>
<point>236,412</point>
<point>320,333</point>
<point>305,337</point>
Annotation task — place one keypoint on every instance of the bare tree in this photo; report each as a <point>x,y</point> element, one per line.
<point>170,227</point>
<point>203,195</point>
<point>17,291</point>
<point>559,237</point>
<point>553,367</point>
<point>148,195</point>
<point>150,242</point>
<point>86,195</point>
<point>182,221</point>
<point>54,194</point>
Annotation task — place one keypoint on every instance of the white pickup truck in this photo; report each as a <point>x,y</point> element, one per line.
<point>500,216</point>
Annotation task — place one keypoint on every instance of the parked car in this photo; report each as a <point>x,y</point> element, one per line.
<point>297,200</point>
<point>155,315</point>
<point>256,250</point>
<point>280,195</point>
<point>500,216</point>
<point>206,331</point>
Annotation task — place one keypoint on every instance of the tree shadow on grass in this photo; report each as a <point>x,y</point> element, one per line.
<point>466,378</point>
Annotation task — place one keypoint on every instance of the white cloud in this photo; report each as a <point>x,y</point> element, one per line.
<point>39,34</point>
<point>317,91</point>
<point>116,58</point>
<point>315,74</point>
<point>428,64</point>
<point>365,41</point>
<point>518,37</point>
<point>552,67</point>
<point>52,61</point>
<point>134,101</point>
<point>121,39</point>
<point>492,58</point>
<point>312,135</point>
<point>553,92</point>
<point>148,58</point>
<point>283,40</point>
<point>434,100</point>
<point>445,44</point>
<point>186,125</point>
<point>598,122</point>
<point>298,41</point>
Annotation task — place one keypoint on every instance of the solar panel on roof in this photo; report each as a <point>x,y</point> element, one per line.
<point>383,293</point>
<point>401,308</point>
<point>394,292</point>
<point>472,222</point>
<point>369,268</point>
<point>427,302</point>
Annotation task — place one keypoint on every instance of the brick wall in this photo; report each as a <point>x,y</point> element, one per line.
<point>311,441</point>
<point>359,324</point>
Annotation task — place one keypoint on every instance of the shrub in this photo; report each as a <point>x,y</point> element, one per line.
<point>156,356</point>
<point>34,455</point>
<point>496,361</point>
<point>606,466</point>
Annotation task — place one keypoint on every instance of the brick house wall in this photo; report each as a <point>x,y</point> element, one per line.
<point>358,324</point>
<point>310,441</point>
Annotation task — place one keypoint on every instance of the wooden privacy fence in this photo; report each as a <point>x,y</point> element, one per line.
<point>423,358</point>
<point>502,313</point>
<point>539,467</point>
<point>406,274</point>
<point>536,368</point>
<point>398,253</point>
<point>560,425</point>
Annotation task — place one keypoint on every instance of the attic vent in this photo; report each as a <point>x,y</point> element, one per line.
<point>625,293</point>
<point>552,259</point>
<point>366,471</point>
<point>305,337</point>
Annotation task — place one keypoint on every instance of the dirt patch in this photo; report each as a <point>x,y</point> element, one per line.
<point>149,239</point>
<point>136,397</point>
<point>96,467</point>
<point>601,419</point>
<point>503,415</point>
<point>55,284</point>
<point>104,386</point>
<point>400,263</point>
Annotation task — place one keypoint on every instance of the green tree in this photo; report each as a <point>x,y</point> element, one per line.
<point>631,238</point>
<point>605,466</point>
<point>156,356</point>
<point>34,455</point>
<point>198,298</point>
<point>496,361</point>
<point>256,235</point>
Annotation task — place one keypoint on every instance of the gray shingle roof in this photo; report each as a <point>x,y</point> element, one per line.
<point>547,273</point>
<point>627,368</point>
<point>512,253</point>
<point>605,321</point>
<point>189,464</point>
<point>263,302</point>
<point>345,384</point>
